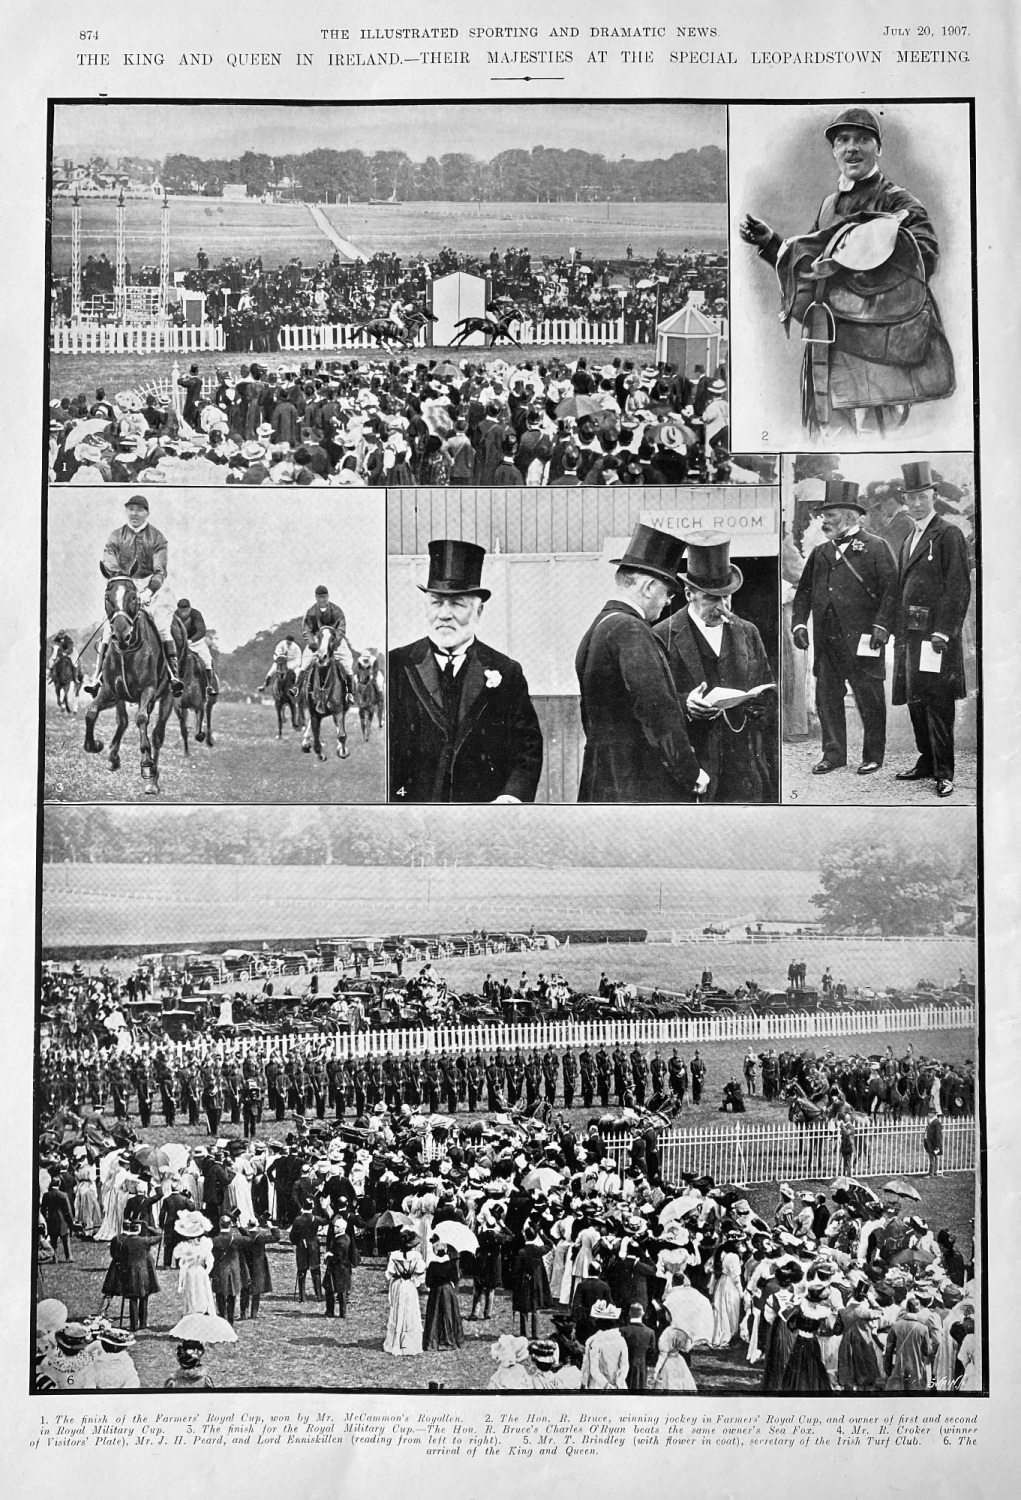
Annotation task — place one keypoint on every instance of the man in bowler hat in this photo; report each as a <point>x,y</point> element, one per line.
<point>934,590</point>
<point>462,724</point>
<point>636,738</point>
<point>708,646</point>
<point>848,587</point>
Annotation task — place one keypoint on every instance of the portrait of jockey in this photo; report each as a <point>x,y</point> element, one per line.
<point>138,551</point>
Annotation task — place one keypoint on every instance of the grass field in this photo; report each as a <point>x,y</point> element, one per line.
<point>294,1345</point>
<point>278,231</point>
<point>247,763</point>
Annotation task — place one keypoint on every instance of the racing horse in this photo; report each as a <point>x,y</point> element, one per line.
<point>285,696</point>
<point>387,331</point>
<point>200,693</point>
<point>66,674</point>
<point>325,695</point>
<point>367,694</point>
<point>134,671</point>
<point>494,329</point>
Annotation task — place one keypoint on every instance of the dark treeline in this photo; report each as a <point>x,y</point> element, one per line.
<point>537,837</point>
<point>511,177</point>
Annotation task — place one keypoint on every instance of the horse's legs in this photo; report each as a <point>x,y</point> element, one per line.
<point>181,710</point>
<point>103,699</point>
<point>210,699</point>
<point>118,735</point>
<point>341,722</point>
<point>315,724</point>
<point>163,708</point>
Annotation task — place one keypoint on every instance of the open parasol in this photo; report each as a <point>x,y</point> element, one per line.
<point>902,1189</point>
<point>913,1256</point>
<point>207,1328</point>
<point>543,1179</point>
<point>579,406</point>
<point>678,1208</point>
<point>458,1236</point>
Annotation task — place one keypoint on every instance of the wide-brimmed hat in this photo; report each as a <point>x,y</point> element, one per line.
<point>74,1337</point>
<point>509,1349</point>
<point>658,553</point>
<point>191,1225</point>
<point>854,118</point>
<point>544,1352</point>
<point>918,476</point>
<point>455,567</point>
<point>709,568</point>
<point>604,1312</point>
<point>115,1340</point>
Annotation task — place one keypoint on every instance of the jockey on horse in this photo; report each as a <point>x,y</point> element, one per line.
<point>198,642</point>
<point>63,645</point>
<point>286,658</point>
<point>322,613</point>
<point>138,551</point>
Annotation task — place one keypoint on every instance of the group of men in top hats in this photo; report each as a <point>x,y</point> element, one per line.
<point>858,284</point>
<point>463,727</point>
<point>857,594</point>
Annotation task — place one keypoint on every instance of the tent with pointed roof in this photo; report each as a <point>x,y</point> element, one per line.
<point>688,338</point>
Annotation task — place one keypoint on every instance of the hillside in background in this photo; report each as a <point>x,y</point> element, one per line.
<point>244,668</point>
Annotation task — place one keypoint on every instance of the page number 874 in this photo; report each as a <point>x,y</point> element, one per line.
<point>88,36</point>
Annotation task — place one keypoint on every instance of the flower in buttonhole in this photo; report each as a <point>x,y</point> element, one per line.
<point>493,679</point>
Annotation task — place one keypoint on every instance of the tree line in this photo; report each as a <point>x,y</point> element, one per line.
<point>513,176</point>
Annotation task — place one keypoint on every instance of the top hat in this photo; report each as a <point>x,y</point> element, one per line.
<point>455,568</point>
<point>658,553</point>
<point>918,476</point>
<point>855,117</point>
<point>841,494</point>
<point>710,569</point>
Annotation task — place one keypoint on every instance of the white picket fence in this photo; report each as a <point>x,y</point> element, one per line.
<point>650,1033</point>
<point>129,338</point>
<point>326,336</point>
<point>781,1152</point>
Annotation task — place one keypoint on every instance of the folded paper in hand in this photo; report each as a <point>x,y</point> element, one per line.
<point>865,645</point>
<point>928,659</point>
<point>724,697</point>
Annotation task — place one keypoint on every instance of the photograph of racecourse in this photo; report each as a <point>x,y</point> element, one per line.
<point>209,650</point>
<point>347,292</point>
<point>515,1101</point>
<point>879,563</point>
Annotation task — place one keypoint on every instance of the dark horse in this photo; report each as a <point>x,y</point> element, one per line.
<point>134,671</point>
<point>493,328</point>
<point>325,695</point>
<point>367,693</point>
<point>285,696</point>
<point>65,674</point>
<point>200,693</point>
<point>387,332</point>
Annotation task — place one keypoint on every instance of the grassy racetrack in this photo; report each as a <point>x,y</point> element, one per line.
<point>278,231</point>
<point>247,763</point>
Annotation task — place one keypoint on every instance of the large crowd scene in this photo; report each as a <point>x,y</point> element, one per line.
<point>408,421</point>
<point>252,301</point>
<point>594,1268</point>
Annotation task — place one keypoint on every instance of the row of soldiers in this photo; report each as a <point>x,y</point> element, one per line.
<point>243,1084</point>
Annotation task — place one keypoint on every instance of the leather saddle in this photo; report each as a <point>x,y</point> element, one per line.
<point>859,285</point>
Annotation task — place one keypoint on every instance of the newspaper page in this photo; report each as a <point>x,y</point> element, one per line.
<point>522,938</point>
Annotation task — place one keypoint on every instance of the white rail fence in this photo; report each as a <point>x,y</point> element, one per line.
<point>132,338</point>
<point>327,336</point>
<point>748,1154</point>
<point>676,1031</point>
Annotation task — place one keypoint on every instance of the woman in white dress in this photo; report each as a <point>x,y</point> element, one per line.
<point>673,1373</point>
<point>727,1297</point>
<point>405,1273</point>
<point>239,1191</point>
<point>115,1196</point>
<point>193,1257</point>
<point>88,1215</point>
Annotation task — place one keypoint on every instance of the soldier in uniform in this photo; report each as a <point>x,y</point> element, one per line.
<point>188,1088</point>
<point>698,1073</point>
<point>359,1084</point>
<point>430,1089</point>
<point>603,1076</point>
<point>933,594</point>
<point>515,1077</point>
<point>550,1069</point>
<point>569,1065</point>
<point>848,587</point>
<point>118,1078</point>
<point>275,1085</point>
<point>232,1088</point>
<point>587,1066</point>
<point>461,1067</point>
<point>639,1074</point>
<point>448,1082</point>
<point>620,1074</point>
<point>391,1071</point>
<point>251,1104</point>
<point>373,1081</point>
<point>493,1081</point>
<point>533,1078</point>
<point>212,1095</point>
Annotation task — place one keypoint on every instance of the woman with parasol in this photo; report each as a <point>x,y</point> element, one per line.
<point>443,1326</point>
<point>405,1272</point>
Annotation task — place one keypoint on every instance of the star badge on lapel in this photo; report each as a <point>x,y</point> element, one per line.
<point>493,679</point>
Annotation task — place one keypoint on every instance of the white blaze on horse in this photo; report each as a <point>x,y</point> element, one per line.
<point>325,695</point>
